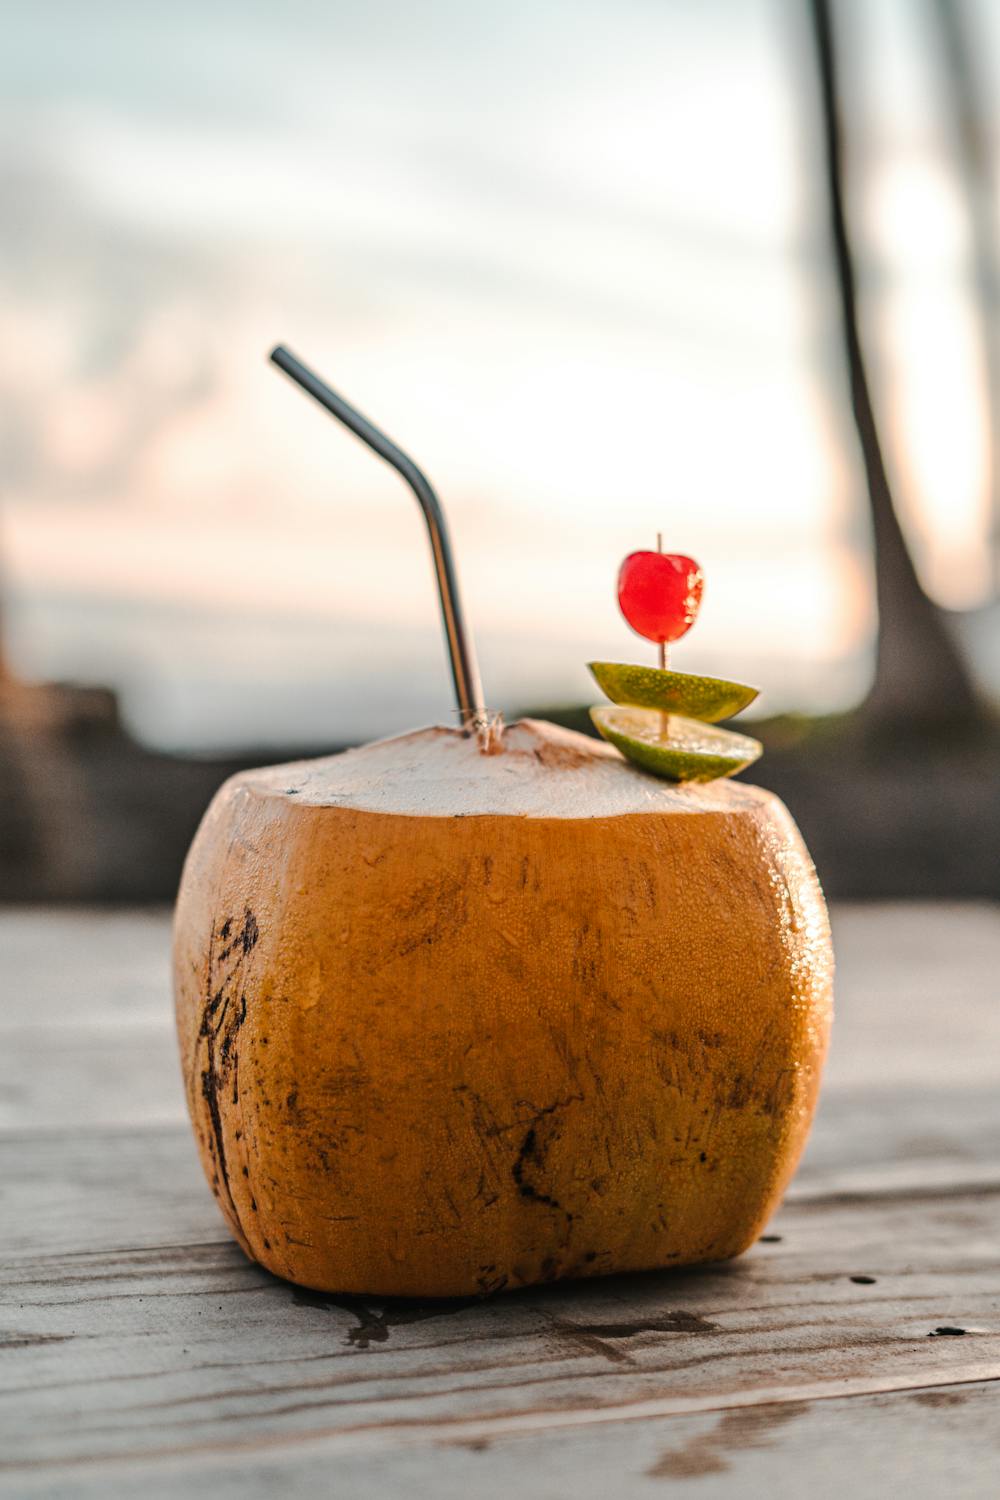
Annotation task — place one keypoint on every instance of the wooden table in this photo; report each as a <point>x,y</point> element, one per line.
<point>141,1355</point>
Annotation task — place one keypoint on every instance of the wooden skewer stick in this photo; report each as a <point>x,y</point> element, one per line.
<point>664,657</point>
<point>664,654</point>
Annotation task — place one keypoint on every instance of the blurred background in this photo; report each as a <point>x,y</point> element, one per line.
<point>726,270</point>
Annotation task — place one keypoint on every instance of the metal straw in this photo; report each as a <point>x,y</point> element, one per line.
<point>464,669</point>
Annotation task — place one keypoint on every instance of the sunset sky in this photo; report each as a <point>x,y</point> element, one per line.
<point>571,255</point>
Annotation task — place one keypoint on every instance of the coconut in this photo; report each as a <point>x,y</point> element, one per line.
<point>455,1021</point>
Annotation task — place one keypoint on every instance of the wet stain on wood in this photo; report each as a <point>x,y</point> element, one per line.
<point>736,1431</point>
<point>941,1398</point>
<point>604,1338</point>
<point>670,1322</point>
<point>375,1322</point>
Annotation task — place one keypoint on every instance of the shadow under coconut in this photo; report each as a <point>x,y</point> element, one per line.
<point>595,1314</point>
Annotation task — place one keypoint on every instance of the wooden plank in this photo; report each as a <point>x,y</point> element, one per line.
<point>917,996</point>
<point>870,1140</point>
<point>138,1350</point>
<point>86,1025</point>
<point>84,966</point>
<point>924,1443</point>
<point>183,1347</point>
<point>96,1191</point>
<point>74,1076</point>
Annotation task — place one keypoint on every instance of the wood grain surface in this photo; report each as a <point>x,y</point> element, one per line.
<point>140,1353</point>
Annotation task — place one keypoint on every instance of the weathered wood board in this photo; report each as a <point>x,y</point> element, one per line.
<point>140,1352</point>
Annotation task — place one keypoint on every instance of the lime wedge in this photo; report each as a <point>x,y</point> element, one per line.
<point>705,698</point>
<point>675,747</point>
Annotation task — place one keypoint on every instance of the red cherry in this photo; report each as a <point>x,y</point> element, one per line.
<point>659,594</point>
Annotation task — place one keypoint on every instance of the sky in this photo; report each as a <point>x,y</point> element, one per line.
<point>572,256</point>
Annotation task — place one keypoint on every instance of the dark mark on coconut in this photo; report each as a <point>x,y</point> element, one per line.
<point>223,1013</point>
<point>770,1239</point>
<point>863,1280</point>
<point>946,1331</point>
<point>533,1151</point>
<point>530,1155</point>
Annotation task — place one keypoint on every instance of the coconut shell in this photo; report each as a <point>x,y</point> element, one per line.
<point>453,1022</point>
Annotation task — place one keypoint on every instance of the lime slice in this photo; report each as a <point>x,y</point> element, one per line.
<point>705,698</point>
<point>674,747</point>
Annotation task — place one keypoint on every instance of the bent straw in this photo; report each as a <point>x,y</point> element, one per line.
<point>461,651</point>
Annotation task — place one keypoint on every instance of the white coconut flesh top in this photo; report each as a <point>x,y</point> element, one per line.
<point>537,771</point>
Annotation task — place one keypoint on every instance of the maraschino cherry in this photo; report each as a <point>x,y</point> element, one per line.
<point>659,594</point>
<point>664,721</point>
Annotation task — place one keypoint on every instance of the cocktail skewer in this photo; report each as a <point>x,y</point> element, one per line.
<point>664,657</point>
<point>663,654</point>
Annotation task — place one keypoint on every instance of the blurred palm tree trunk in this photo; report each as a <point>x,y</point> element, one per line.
<point>920,677</point>
<point>967,99</point>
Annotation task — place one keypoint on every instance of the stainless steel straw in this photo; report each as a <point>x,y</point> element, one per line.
<point>461,650</point>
